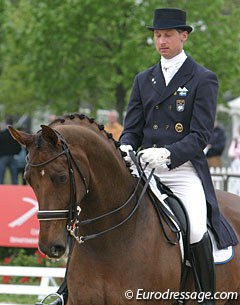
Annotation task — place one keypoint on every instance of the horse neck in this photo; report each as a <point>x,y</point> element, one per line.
<point>124,235</point>
<point>116,241</point>
<point>110,182</point>
<point>110,186</point>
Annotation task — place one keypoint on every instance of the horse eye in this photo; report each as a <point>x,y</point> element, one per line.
<point>60,179</point>
<point>63,179</point>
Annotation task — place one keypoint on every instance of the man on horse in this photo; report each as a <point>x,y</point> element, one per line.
<point>170,117</point>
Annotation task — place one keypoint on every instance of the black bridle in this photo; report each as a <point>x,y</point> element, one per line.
<point>73,213</point>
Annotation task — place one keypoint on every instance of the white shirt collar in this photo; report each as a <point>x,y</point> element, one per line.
<point>176,61</point>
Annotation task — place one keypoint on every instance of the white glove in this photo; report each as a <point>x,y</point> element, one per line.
<point>126,149</point>
<point>155,157</point>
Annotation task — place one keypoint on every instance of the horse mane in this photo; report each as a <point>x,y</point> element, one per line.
<point>82,119</point>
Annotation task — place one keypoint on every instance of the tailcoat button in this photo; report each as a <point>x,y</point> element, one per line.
<point>179,127</point>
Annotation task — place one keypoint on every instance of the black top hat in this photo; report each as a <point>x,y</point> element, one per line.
<point>169,18</point>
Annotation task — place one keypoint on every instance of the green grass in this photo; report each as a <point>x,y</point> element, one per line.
<point>18,299</point>
<point>24,299</point>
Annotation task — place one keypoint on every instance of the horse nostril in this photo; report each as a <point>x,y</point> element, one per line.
<point>42,248</point>
<point>56,251</point>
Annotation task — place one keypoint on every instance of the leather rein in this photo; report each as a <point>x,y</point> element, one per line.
<point>73,213</point>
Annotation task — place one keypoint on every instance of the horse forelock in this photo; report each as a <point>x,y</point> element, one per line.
<point>39,142</point>
<point>39,145</point>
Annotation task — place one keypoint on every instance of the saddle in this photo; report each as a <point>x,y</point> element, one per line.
<point>180,217</point>
<point>172,211</point>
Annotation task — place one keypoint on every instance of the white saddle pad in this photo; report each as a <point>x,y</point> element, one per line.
<point>222,256</point>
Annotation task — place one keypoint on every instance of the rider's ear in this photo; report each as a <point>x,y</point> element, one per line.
<point>50,135</point>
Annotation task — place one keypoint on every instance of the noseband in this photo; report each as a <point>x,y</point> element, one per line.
<point>73,213</point>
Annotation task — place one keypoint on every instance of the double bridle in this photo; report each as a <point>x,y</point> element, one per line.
<point>73,213</point>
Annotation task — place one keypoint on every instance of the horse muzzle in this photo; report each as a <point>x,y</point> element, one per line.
<point>55,250</point>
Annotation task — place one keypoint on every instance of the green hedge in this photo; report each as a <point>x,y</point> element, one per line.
<point>25,257</point>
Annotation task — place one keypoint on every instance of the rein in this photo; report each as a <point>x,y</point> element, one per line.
<point>73,213</point>
<point>81,239</point>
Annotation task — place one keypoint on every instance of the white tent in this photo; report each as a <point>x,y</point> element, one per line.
<point>234,110</point>
<point>235,105</point>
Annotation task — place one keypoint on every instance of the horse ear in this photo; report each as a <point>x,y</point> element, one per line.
<point>50,135</point>
<point>21,137</point>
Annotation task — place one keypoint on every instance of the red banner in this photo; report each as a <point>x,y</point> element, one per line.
<point>19,226</point>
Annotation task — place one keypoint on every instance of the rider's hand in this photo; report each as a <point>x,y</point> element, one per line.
<point>126,149</point>
<point>155,157</point>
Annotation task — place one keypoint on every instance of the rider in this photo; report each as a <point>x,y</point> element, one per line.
<point>170,116</point>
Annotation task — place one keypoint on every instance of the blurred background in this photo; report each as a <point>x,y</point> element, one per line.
<point>63,56</point>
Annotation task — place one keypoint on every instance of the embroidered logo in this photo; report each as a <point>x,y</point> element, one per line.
<point>180,105</point>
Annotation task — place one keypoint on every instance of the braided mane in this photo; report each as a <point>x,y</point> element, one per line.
<point>82,119</point>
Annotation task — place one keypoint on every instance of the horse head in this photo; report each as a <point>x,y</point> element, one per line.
<point>62,165</point>
<point>42,174</point>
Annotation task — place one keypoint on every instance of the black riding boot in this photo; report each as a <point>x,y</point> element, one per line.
<point>202,259</point>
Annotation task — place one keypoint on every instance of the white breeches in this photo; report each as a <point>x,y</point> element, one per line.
<point>185,183</point>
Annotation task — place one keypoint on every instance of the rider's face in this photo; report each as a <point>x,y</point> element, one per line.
<point>169,43</point>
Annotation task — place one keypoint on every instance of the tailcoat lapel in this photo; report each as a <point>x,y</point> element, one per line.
<point>157,79</point>
<point>180,78</point>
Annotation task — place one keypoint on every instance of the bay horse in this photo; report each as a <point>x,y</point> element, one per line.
<point>78,174</point>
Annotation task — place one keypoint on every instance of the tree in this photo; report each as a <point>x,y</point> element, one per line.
<point>67,53</point>
<point>78,51</point>
<point>215,42</point>
<point>15,93</point>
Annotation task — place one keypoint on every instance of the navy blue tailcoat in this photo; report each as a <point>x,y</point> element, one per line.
<point>180,117</point>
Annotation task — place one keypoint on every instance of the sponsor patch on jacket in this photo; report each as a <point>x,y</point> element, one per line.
<point>180,105</point>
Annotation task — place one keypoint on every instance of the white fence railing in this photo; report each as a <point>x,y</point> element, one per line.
<point>47,284</point>
<point>226,178</point>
